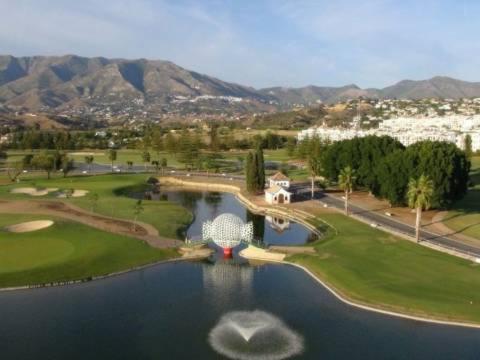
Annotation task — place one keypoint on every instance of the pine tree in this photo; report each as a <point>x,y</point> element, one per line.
<point>260,169</point>
<point>249,175</point>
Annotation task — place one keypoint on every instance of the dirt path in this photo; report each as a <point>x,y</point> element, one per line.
<point>145,232</point>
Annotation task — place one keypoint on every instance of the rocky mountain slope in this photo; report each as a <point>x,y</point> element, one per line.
<point>71,81</point>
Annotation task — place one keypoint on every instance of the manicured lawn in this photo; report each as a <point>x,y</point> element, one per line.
<point>67,251</point>
<point>170,219</point>
<point>101,156</point>
<point>373,267</point>
<point>465,216</point>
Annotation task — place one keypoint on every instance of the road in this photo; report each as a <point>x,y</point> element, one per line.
<point>389,223</point>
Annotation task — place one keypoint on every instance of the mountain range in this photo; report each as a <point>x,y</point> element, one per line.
<point>69,81</point>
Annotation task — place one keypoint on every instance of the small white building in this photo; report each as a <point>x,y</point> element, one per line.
<point>277,195</point>
<point>279,179</point>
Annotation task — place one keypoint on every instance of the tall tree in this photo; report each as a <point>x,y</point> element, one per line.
<point>188,153</point>
<point>157,141</point>
<point>112,156</point>
<point>163,165</point>
<point>419,197</point>
<point>89,160</point>
<point>44,161</point>
<point>260,168</point>
<point>250,169</point>
<point>67,165</point>
<point>346,181</point>
<point>14,170</point>
<point>213,135</point>
<point>314,167</point>
<point>146,159</point>
<point>468,147</point>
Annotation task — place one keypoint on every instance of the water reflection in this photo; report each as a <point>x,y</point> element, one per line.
<point>208,205</point>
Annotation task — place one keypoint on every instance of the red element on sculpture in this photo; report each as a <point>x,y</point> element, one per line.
<point>227,251</point>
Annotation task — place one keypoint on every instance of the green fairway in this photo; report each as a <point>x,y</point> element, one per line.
<point>170,219</point>
<point>67,251</point>
<point>376,268</point>
<point>465,216</point>
<point>101,156</point>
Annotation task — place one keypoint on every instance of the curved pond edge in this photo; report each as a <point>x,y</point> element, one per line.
<point>358,305</point>
<point>98,277</point>
<point>303,220</point>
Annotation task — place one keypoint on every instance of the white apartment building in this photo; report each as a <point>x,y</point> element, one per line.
<point>409,130</point>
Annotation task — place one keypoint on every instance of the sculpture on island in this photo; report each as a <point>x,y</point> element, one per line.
<point>227,231</point>
<point>254,335</point>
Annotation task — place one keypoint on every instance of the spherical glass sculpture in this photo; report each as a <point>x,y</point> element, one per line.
<point>227,231</point>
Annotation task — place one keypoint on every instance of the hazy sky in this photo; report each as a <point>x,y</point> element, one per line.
<point>372,43</point>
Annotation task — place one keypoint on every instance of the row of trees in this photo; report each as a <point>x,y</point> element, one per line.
<point>46,161</point>
<point>419,193</point>
<point>384,166</point>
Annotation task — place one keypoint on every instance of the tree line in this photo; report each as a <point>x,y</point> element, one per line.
<point>384,166</point>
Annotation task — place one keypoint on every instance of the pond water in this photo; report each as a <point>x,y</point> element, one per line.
<point>208,205</point>
<point>168,312</point>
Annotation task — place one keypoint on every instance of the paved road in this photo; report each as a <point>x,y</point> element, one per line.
<point>387,222</point>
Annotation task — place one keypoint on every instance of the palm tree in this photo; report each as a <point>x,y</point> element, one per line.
<point>112,156</point>
<point>346,181</point>
<point>314,167</point>
<point>146,159</point>
<point>89,160</point>
<point>419,197</point>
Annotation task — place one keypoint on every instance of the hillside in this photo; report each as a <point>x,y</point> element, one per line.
<point>66,82</point>
<point>36,82</point>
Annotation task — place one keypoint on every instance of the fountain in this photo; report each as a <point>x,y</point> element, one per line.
<point>251,335</point>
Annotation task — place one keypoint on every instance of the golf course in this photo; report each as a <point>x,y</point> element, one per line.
<point>69,250</point>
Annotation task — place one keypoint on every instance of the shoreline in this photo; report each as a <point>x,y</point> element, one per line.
<point>98,277</point>
<point>370,308</point>
<point>343,298</point>
<point>259,209</point>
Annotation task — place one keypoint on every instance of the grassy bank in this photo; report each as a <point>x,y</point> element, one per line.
<point>67,251</point>
<point>170,219</point>
<point>375,268</point>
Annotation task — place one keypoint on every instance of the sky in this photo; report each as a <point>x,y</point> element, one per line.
<point>260,43</point>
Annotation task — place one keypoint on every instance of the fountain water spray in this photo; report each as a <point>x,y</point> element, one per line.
<point>252,335</point>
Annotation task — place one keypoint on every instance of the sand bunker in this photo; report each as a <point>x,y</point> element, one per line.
<point>33,191</point>
<point>75,194</point>
<point>29,226</point>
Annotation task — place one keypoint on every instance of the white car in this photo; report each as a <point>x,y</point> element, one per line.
<point>84,172</point>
